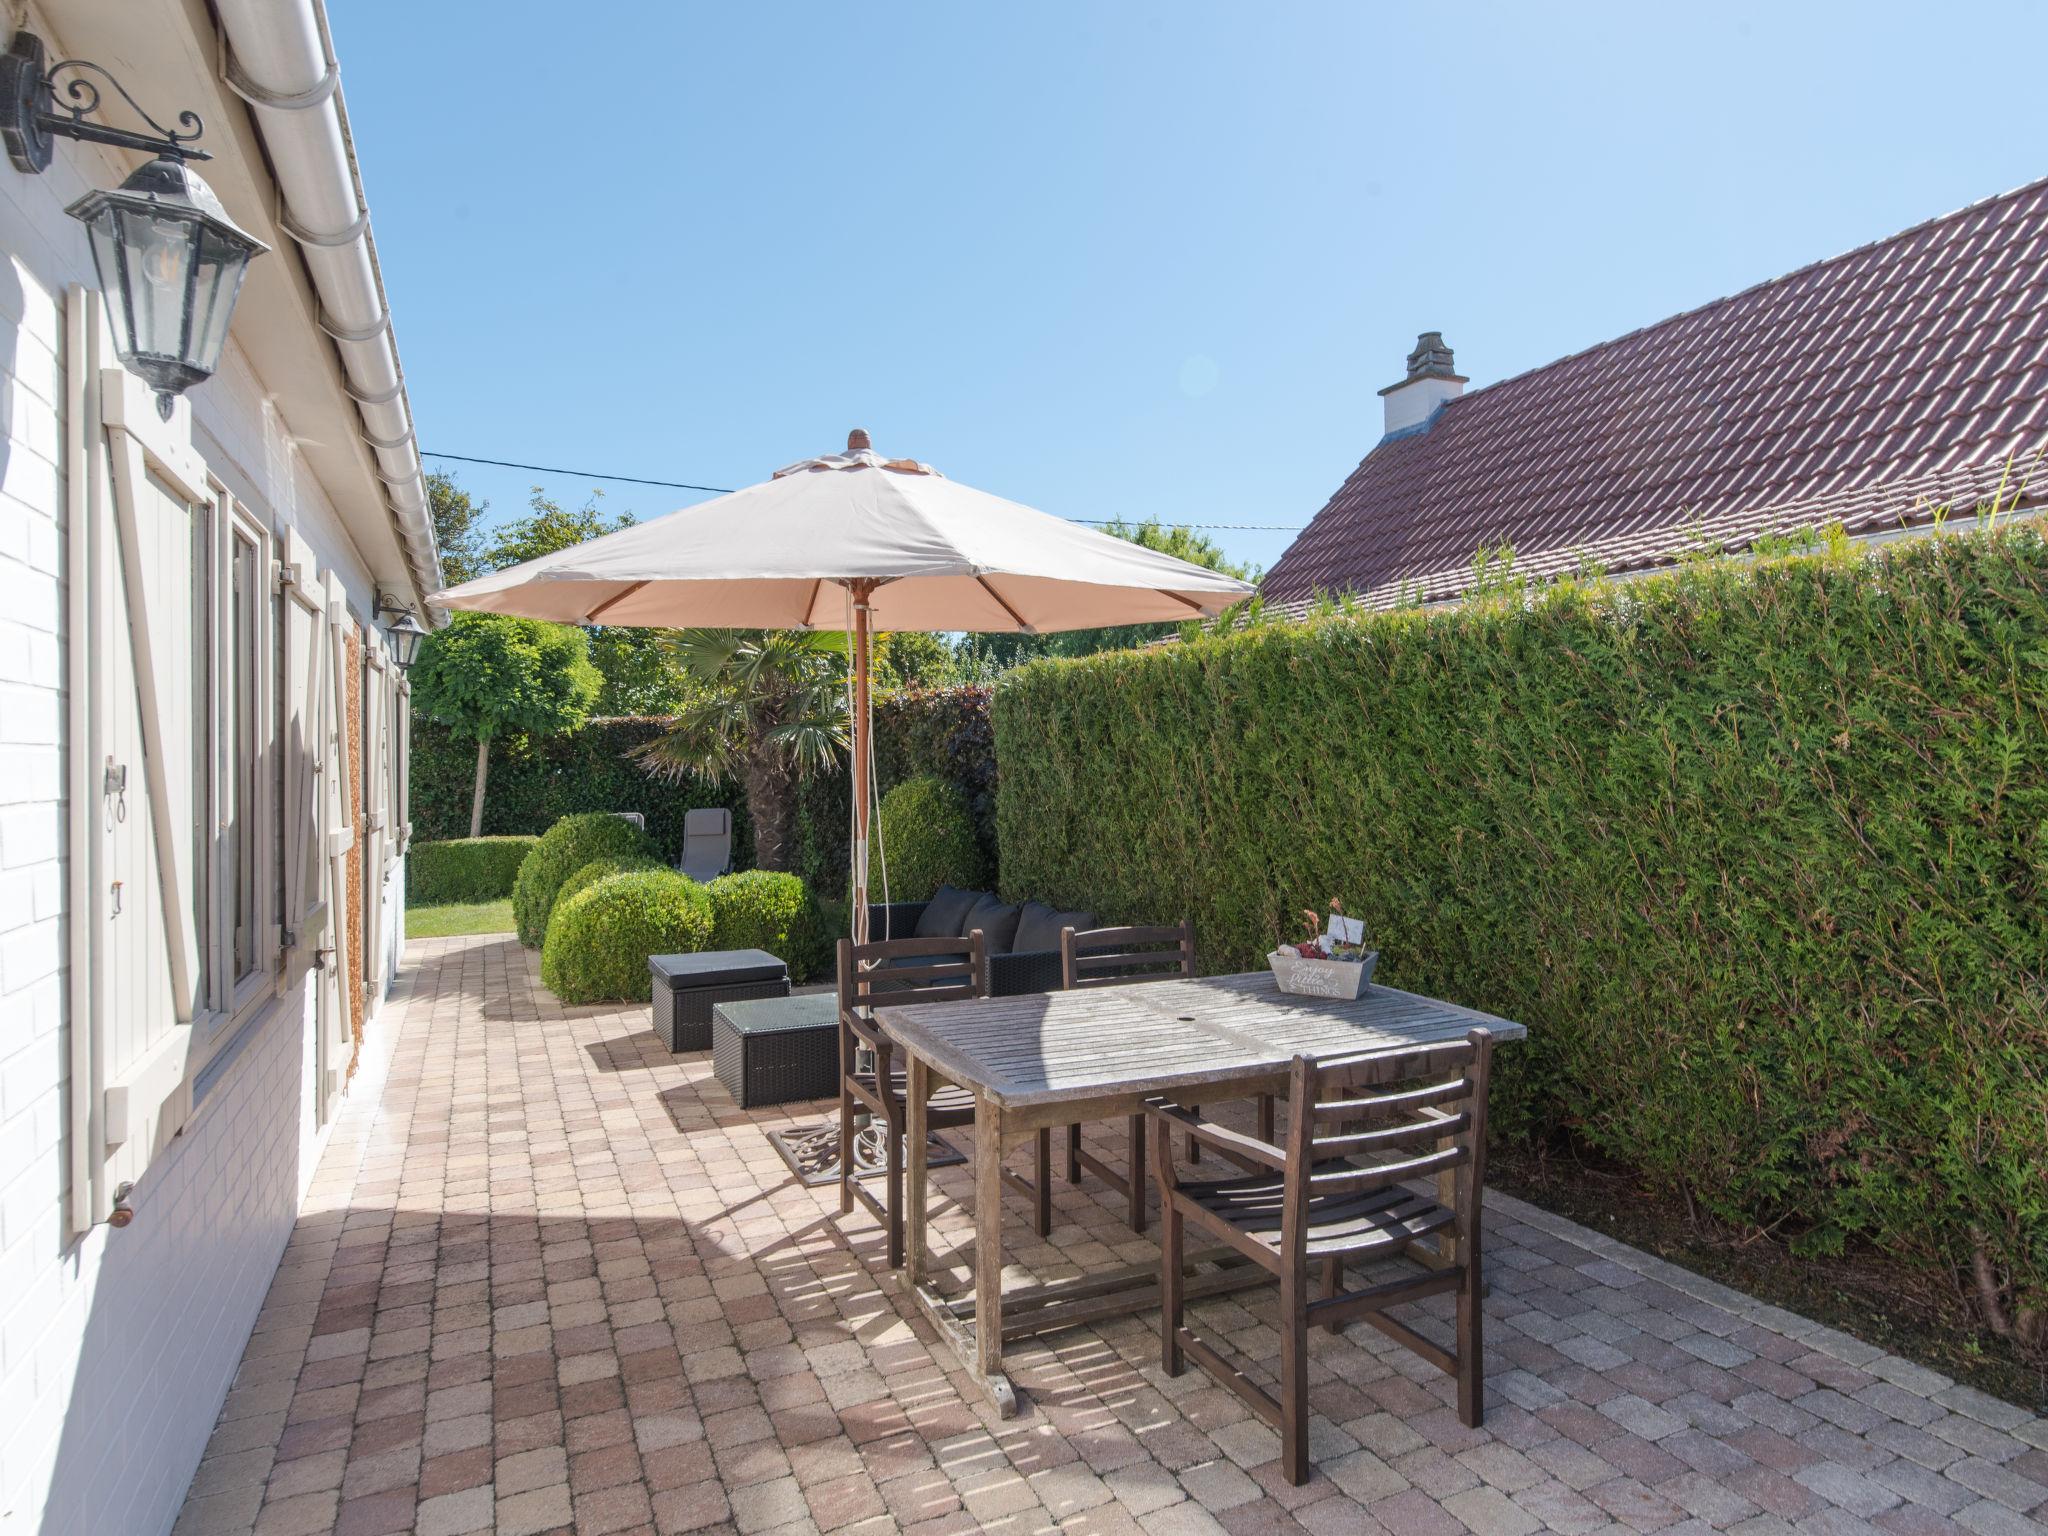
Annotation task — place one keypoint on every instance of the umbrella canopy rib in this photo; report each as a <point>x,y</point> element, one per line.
<point>1016,617</point>
<point>611,602</point>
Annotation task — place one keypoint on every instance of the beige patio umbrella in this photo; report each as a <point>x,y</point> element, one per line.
<point>855,542</point>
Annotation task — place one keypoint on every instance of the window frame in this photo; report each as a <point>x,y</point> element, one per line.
<point>233,1000</point>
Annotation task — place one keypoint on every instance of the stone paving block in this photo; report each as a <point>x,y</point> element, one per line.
<point>1988,1518</point>
<point>1982,1407</point>
<point>458,1514</point>
<point>1642,1418</point>
<point>1993,1481</point>
<point>550,1277</point>
<point>1850,1490</point>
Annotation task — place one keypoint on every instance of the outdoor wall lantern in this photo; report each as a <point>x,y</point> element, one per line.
<point>170,260</point>
<point>405,632</point>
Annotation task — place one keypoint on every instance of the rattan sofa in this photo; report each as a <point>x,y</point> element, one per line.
<point>1008,975</point>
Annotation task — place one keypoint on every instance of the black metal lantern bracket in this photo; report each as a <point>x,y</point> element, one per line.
<point>405,630</point>
<point>33,117</point>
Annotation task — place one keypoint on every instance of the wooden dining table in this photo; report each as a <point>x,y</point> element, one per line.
<point>1058,1058</point>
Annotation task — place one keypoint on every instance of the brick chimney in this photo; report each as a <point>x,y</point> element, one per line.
<point>1432,380</point>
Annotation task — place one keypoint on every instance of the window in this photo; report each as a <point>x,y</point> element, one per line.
<point>244,711</point>
<point>204,739</point>
<point>234,763</point>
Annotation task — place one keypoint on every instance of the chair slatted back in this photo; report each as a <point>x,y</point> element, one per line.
<point>1111,957</point>
<point>1365,1121</point>
<point>944,970</point>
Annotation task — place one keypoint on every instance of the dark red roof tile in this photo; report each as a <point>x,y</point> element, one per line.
<point>1868,387</point>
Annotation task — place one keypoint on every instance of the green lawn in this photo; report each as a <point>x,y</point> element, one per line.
<point>458,918</point>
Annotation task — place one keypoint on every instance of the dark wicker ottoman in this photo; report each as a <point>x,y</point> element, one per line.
<point>778,1051</point>
<point>687,986</point>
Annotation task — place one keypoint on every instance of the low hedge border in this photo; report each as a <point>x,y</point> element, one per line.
<point>465,869</point>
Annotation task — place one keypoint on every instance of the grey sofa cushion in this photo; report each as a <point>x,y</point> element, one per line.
<point>1038,927</point>
<point>997,921</point>
<point>945,915</point>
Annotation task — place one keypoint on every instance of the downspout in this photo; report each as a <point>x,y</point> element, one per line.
<point>277,56</point>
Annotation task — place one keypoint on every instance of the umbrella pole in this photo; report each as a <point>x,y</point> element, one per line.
<point>862,590</point>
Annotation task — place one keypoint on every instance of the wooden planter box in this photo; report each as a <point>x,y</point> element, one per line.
<point>1322,978</point>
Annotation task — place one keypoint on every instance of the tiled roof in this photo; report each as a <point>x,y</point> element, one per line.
<point>1868,388</point>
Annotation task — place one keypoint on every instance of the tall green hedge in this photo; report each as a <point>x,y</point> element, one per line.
<point>944,731</point>
<point>1756,852</point>
<point>535,783</point>
<point>927,835</point>
<point>940,731</point>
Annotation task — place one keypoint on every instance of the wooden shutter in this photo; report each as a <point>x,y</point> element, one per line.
<point>336,1034</point>
<point>402,811</point>
<point>138,637</point>
<point>376,796</point>
<point>305,915</point>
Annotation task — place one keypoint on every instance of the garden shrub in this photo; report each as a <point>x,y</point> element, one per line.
<point>762,909</point>
<point>943,731</point>
<point>1757,852</point>
<point>596,870</point>
<point>928,840</point>
<point>536,781</point>
<point>464,869</point>
<point>563,849</point>
<point>599,939</point>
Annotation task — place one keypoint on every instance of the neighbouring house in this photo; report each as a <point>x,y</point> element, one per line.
<point>1873,390</point>
<point>202,742</point>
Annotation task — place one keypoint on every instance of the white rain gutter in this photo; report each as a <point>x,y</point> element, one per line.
<point>278,56</point>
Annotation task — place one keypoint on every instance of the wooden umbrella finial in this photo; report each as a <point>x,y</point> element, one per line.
<point>857,440</point>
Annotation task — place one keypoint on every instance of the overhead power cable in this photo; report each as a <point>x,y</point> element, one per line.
<point>726,490</point>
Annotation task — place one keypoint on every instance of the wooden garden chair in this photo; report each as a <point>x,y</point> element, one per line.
<point>1360,1127</point>
<point>1111,957</point>
<point>894,973</point>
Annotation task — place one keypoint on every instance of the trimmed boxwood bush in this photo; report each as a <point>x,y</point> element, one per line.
<point>928,839</point>
<point>464,869</point>
<point>1757,852</point>
<point>762,909</point>
<point>599,939</point>
<point>596,870</point>
<point>563,849</point>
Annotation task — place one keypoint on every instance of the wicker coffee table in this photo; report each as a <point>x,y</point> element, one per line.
<point>777,1050</point>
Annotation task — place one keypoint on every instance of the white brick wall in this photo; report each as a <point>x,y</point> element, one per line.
<point>115,1350</point>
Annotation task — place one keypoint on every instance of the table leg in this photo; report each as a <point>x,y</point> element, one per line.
<point>979,1345</point>
<point>914,1194</point>
<point>988,1237</point>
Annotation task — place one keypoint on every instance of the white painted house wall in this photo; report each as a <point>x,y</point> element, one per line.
<point>117,1347</point>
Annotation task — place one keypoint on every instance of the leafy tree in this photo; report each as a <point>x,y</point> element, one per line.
<point>638,677</point>
<point>489,675</point>
<point>980,655</point>
<point>770,707</point>
<point>550,526</point>
<point>907,658</point>
<point>456,534</point>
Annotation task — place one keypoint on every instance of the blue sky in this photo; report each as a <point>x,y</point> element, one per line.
<point>1107,259</point>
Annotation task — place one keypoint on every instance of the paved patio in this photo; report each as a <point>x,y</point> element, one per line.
<point>551,1278</point>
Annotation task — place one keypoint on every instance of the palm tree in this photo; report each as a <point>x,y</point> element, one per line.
<point>770,707</point>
